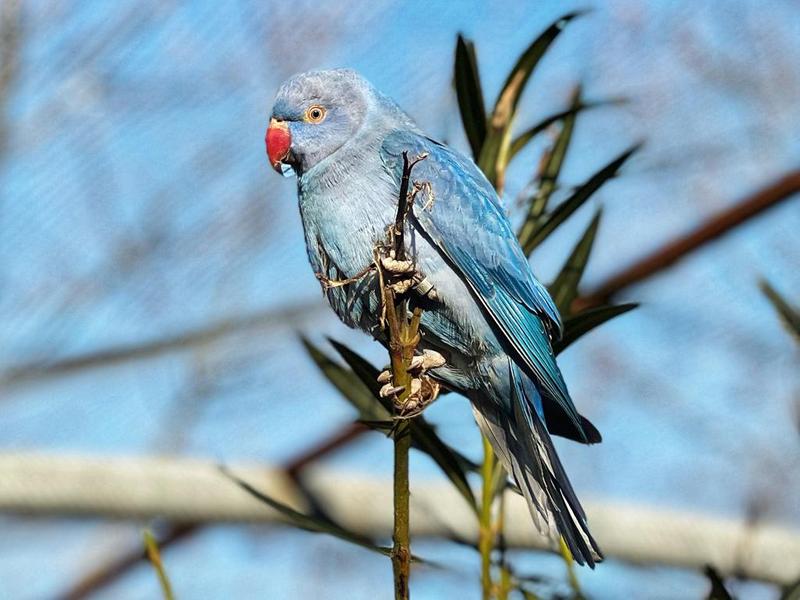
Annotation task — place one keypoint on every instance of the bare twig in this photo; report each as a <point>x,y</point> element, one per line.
<point>109,572</point>
<point>765,198</point>
<point>10,27</point>
<point>184,490</point>
<point>403,337</point>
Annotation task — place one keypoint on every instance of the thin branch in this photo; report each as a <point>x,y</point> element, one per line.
<point>403,337</point>
<point>184,490</point>
<point>765,198</point>
<point>42,370</point>
<point>10,35</point>
<point>108,573</point>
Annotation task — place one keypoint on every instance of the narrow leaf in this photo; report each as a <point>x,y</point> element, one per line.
<point>423,434</point>
<point>718,590</point>
<point>351,386</point>
<point>309,523</point>
<point>549,222</point>
<point>470,94</point>
<point>525,137</point>
<point>154,556</point>
<point>518,77</point>
<point>584,322</point>
<point>789,315</point>
<point>792,591</point>
<point>494,154</point>
<point>564,288</point>
<point>569,563</point>
<point>555,159</point>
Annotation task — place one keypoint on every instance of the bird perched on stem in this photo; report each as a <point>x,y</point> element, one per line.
<point>485,314</point>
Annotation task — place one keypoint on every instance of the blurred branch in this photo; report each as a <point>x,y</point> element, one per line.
<point>37,371</point>
<point>640,270</point>
<point>109,572</point>
<point>10,35</point>
<point>765,198</point>
<point>112,570</point>
<point>789,315</point>
<point>194,491</point>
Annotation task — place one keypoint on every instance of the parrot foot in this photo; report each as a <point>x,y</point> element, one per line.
<point>423,389</point>
<point>424,392</point>
<point>406,277</point>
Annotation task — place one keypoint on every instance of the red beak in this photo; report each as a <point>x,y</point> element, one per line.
<point>279,141</point>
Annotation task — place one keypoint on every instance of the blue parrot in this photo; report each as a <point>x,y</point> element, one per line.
<point>489,317</point>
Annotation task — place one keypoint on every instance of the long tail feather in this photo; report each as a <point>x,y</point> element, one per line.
<point>523,444</point>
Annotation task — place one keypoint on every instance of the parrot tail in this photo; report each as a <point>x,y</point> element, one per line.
<point>523,445</point>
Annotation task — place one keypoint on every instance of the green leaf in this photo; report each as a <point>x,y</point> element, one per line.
<point>718,590</point>
<point>524,138</point>
<point>564,288</point>
<point>789,315</point>
<point>569,563</point>
<point>154,556</point>
<point>306,522</point>
<point>582,323</point>
<point>423,434</point>
<point>494,154</point>
<point>792,591</point>
<point>552,166</point>
<point>470,94</point>
<point>532,236</point>
<point>351,386</point>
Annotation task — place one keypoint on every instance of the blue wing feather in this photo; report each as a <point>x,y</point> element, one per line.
<point>467,224</point>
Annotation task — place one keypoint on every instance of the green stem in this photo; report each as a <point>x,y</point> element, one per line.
<point>504,588</point>
<point>485,533</point>
<point>403,339</point>
<point>154,556</point>
<point>401,551</point>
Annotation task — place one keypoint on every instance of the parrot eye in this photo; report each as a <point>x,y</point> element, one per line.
<point>315,114</point>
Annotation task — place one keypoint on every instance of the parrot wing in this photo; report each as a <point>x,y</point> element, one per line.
<point>465,222</point>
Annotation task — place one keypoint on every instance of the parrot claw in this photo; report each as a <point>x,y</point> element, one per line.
<point>390,390</point>
<point>424,392</point>
<point>403,275</point>
<point>397,267</point>
<point>429,359</point>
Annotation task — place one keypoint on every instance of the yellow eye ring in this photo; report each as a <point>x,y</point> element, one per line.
<point>315,113</point>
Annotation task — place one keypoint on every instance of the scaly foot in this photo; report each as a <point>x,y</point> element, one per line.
<point>423,389</point>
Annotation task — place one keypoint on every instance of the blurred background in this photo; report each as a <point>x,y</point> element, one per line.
<point>153,275</point>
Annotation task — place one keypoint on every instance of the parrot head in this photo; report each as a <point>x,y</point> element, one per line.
<point>314,115</point>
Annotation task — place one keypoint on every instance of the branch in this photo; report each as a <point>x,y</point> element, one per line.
<point>183,490</point>
<point>10,28</point>
<point>402,336</point>
<point>765,198</point>
<point>42,370</point>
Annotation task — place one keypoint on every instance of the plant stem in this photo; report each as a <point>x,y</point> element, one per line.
<point>403,337</point>
<point>504,588</point>
<point>485,533</point>
<point>154,556</point>
<point>401,551</point>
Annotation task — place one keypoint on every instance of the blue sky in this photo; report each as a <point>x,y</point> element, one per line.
<point>136,202</point>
